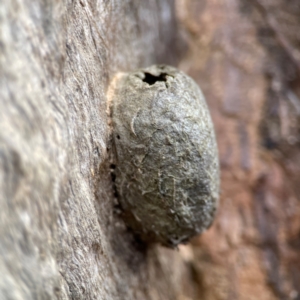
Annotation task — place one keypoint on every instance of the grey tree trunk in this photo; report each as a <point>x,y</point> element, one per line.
<point>61,235</point>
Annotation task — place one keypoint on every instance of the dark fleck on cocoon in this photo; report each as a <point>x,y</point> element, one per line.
<point>165,152</point>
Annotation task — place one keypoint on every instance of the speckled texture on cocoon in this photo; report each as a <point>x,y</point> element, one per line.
<point>167,169</point>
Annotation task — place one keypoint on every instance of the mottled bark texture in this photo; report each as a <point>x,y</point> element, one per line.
<point>60,232</point>
<point>245,54</point>
<point>59,235</point>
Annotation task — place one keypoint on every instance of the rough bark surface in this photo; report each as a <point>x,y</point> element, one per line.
<point>245,54</point>
<point>60,237</point>
<point>60,232</point>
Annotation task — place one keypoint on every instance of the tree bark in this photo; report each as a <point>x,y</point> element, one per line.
<point>61,235</point>
<point>245,56</point>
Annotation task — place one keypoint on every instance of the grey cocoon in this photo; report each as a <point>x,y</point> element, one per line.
<point>165,152</point>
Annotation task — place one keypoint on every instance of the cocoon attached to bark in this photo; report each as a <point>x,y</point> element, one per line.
<point>165,152</point>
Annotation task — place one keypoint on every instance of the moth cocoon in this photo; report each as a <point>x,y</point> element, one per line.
<point>165,152</point>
